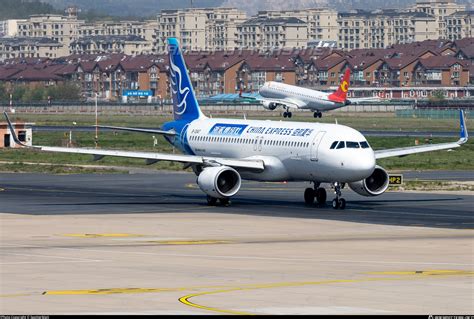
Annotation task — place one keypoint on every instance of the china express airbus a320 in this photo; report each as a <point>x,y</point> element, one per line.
<point>222,152</point>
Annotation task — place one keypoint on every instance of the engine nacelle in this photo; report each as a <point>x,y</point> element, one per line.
<point>270,105</point>
<point>219,182</point>
<point>374,185</point>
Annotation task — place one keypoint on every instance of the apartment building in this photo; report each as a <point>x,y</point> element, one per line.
<point>127,44</point>
<point>439,9</point>
<point>200,28</point>
<point>9,28</point>
<point>64,29</point>
<point>19,47</point>
<point>269,33</point>
<point>146,30</point>
<point>379,29</point>
<point>189,26</point>
<point>459,25</point>
<point>321,22</point>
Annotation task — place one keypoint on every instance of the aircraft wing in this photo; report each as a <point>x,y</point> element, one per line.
<point>364,99</point>
<point>404,151</point>
<point>139,130</point>
<point>148,156</point>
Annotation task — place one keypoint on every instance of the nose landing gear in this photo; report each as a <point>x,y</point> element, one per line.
<point>317,193</point>
<point>338,202</point>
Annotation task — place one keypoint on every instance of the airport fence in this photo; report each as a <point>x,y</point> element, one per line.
<point>431,113</point>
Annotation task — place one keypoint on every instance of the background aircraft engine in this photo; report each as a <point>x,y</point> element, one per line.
<point>219,182</point>
<point>269,105</point>
<point>374,185</point>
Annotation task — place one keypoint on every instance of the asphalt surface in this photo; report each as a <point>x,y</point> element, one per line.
<point>123,194</point>
<point>148,244</point>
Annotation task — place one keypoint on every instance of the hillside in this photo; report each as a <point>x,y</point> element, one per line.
<point>15,9</point>
<point>143,8</point>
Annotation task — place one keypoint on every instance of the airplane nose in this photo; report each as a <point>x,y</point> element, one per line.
<point>367,163</point>
<point>361,166</point>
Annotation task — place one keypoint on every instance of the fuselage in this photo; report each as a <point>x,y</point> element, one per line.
<point>291,151</point>
<point>309,99</point>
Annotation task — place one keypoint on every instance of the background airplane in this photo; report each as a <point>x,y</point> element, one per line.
<point>222,152</point>
<point>277,94</point>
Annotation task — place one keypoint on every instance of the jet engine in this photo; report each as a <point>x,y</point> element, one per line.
<point>270,105</point>
<point>374,185</point>
<point>219,182</point>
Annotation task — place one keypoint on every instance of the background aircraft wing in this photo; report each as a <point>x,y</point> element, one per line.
<point>365,99</point>
<point>139,130</point>
<point>404,151</point>
<point>149,156</point>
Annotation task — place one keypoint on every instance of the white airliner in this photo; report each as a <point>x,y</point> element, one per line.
<point>277,94</point>
<point>222,152</point>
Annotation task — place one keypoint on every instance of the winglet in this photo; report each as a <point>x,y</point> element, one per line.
<point>12,131</point>
<point>463,135</point>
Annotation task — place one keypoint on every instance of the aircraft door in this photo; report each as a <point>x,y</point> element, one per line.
<point>260,143</point>
<point>315,145</point>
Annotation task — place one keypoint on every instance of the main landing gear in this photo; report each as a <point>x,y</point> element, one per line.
<point>317,193</point>
<point>287,113</point>
<point>212,201</point>
<point>338,202</point>
<point>318,114</point>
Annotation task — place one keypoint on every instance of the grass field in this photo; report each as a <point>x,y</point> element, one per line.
<point>458,159</point>
<point>360,121</point>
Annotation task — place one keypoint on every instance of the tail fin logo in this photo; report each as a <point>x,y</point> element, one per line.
<point>345,86</point>
<point>177,88</point>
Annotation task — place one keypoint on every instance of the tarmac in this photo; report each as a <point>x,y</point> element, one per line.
<point>148,244</point>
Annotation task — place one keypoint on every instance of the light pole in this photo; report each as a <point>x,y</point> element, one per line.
<point>70,135</point>
<point>96,123</point>
<point>12,110</point>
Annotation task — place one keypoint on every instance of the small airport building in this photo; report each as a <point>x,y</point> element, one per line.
<point>23,130</point>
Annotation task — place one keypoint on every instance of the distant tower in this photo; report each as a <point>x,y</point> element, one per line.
<point>72,11</point>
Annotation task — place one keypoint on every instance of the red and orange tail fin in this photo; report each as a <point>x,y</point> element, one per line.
<point>340,95</point>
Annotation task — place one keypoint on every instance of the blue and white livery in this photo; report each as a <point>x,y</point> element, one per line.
<point>222,152</point>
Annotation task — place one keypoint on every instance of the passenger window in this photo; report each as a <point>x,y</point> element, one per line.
<point>341,145</point>
<point>364,144</point>
<point>333,145</point>
<point>352,145</point>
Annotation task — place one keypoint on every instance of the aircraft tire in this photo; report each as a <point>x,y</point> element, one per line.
<point>211,201</point>
<point>342,203</point>
<point>309,196</point>
<point>321,196</point>
<point>225,201</point>
<point>335,203</point>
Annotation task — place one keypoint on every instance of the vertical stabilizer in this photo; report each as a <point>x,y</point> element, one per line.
<point>185,104</point>
<point>340,96</point>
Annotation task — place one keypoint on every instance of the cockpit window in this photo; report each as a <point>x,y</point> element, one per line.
<point>352,145</point>
<point>364,144</point>
<point>341,145</point>
<point>333,146</point>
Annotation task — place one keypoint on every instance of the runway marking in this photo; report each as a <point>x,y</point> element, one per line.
<point>425,273</point>
<point>100,235</point>
<point>185,300</point>
<point>189,242</point>
<point>401,276</point>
